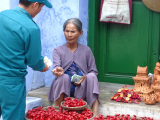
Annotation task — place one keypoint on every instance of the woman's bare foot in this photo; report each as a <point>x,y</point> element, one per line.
<point>59,100</point>
<point>95,108</point>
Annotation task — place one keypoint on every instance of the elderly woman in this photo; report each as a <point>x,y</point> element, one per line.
<point>74,58</point>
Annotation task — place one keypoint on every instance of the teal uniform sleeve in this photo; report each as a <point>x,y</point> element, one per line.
<point>33,51</point>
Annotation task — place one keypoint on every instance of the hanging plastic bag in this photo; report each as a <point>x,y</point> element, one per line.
<point>116,11</point>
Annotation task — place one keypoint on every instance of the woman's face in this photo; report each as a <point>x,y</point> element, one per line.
<point>71,33</point>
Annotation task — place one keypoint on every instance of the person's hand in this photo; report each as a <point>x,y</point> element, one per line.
<point>45,68</point>
<point>58,71</point>
<point>81,80</point>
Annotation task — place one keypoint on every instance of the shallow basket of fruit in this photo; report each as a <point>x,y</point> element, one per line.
<point>73,104</point>
<point>50,113</point>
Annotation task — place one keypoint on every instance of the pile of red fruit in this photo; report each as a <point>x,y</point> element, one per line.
<point>127,96</point>
<point>73,102</point>
<point>51,114</point>
<point>121,117</point>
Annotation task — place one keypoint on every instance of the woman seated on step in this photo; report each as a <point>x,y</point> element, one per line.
<point>74,58</point>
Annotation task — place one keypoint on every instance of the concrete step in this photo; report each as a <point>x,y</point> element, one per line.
<point>108,107</point>
<point>41,93</point>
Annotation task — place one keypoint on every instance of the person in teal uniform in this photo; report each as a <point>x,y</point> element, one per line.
<point>20,45</point>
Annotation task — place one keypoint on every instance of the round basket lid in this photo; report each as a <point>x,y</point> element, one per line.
<point>152,4</point>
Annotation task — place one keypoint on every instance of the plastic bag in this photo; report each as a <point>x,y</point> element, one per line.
<point>116,11</point>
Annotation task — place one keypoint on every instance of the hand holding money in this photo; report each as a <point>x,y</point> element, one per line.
<point>80,81</point>
<point>47,61</point>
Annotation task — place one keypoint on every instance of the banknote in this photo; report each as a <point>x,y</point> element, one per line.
<point>48,61</point>
<point>75,78</point>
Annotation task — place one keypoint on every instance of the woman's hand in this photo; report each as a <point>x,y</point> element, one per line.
<point>81,80</point>
<point>58,71</point>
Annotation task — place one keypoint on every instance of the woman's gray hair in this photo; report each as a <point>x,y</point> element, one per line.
<point>75,21</point>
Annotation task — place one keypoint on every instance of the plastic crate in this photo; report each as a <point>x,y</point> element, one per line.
<point>32,102</point>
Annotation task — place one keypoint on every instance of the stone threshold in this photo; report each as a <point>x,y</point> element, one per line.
<point>108,107</point>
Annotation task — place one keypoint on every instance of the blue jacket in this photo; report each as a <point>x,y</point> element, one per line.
<point>20,43</point>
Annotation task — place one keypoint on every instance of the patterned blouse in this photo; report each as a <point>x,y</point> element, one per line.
<point>73,69</point>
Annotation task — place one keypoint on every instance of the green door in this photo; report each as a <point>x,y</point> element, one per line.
<point>118,48</point>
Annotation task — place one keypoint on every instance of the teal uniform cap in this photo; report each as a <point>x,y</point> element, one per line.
<point>45,2</point>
